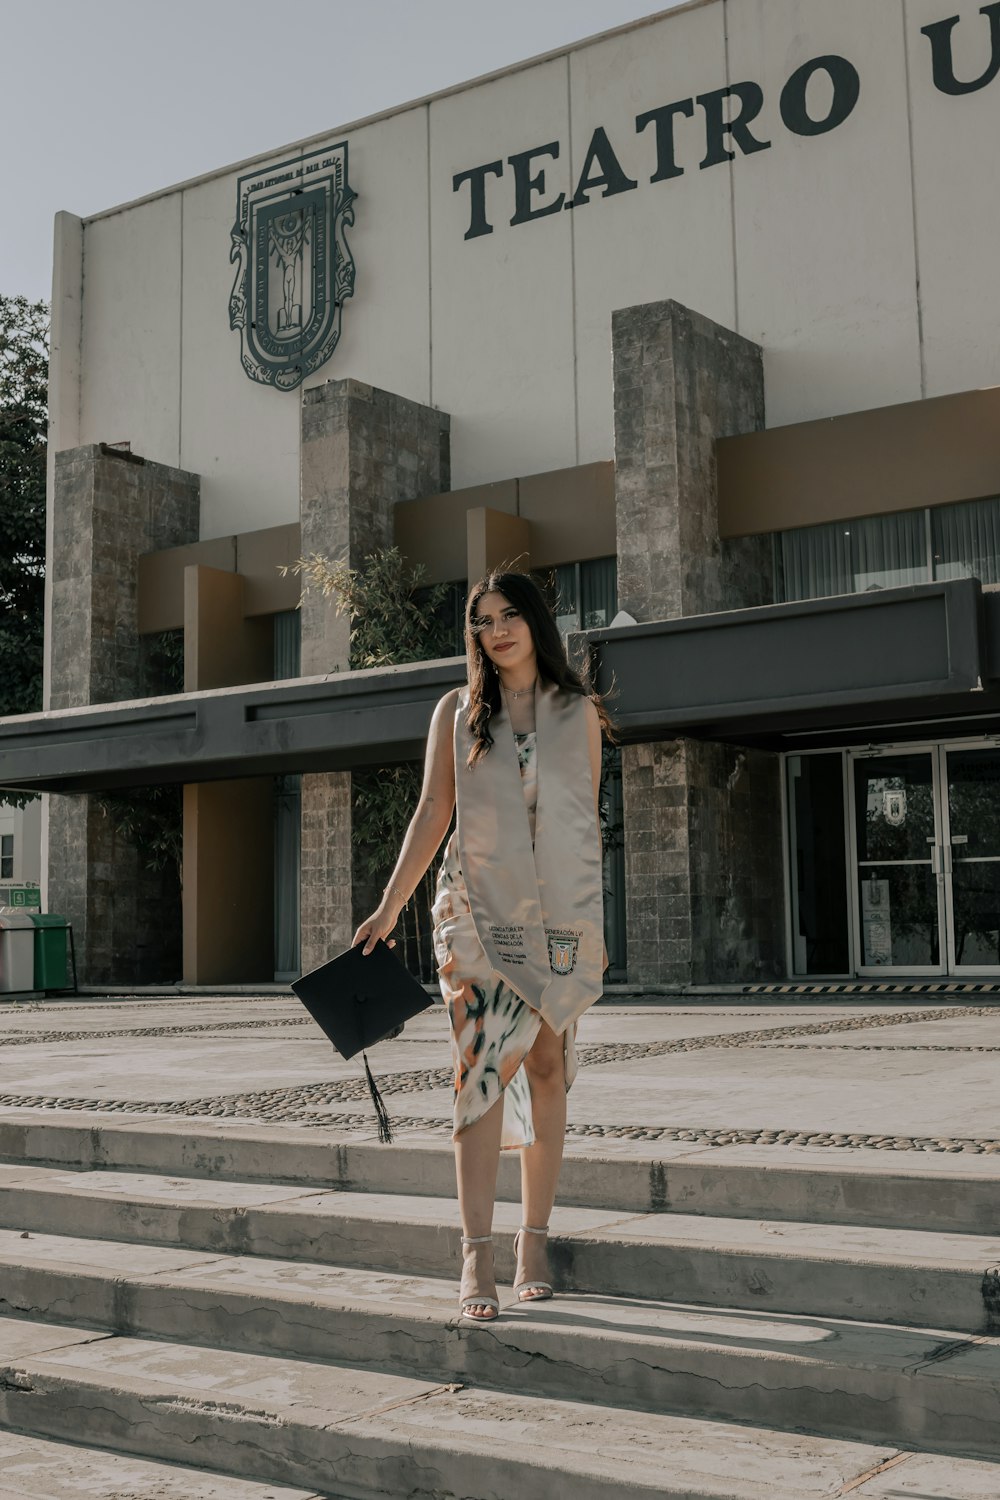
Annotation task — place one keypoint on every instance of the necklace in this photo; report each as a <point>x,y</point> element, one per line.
<point>509,693</point>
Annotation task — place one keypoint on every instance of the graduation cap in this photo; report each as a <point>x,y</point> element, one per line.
<point>359,1000</point>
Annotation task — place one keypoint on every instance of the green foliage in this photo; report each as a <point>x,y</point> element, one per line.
<point>165,661</point>
<point>395,618</point>
<point>151,819</point>
<point>24,354</point>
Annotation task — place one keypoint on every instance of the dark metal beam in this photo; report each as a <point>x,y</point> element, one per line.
<point>756,674</point>
<point>308,724</point>
<point>772,676</point>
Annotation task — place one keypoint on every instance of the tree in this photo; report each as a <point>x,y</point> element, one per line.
<point>24,369</point>
<point>394,619</point>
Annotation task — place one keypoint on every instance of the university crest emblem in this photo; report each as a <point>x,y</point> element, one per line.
<point>562,951</point>
<point>894,808</point>
<point>293,265</point>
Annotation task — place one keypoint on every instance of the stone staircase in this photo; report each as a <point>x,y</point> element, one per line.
<point>246,1313</point>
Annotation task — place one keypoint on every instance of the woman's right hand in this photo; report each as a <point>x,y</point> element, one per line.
<point>379,925</point>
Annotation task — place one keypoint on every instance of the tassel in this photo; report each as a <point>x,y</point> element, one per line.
<point>382,1114</point>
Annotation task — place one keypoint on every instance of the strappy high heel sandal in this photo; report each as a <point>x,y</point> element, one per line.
<point>542,1287</point>
<point>465,1303</point>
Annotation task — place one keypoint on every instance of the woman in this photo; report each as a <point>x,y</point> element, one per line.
<point>518,917</point>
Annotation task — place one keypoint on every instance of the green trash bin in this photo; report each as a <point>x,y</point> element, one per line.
<point>51,952</point>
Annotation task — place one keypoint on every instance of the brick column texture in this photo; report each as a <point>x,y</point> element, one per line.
<point>704,892</point>
<point>362,450</point>
<point>109,508</point>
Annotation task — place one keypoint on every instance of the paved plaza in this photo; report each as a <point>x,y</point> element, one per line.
<point>850,1077</point>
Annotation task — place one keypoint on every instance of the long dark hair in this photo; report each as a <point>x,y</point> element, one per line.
<point>553,666</point>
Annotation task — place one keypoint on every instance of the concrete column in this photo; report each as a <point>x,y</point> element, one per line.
<point>221,647</point>
<point>702,821</point>
<point>492,538</point>
<point>362,450</point>
<point>228,901</point>
<point>229,881</point>
<point>106,509</point>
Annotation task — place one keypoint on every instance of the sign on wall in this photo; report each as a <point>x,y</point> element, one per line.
<point>703,130</point>
<point>294,269</point>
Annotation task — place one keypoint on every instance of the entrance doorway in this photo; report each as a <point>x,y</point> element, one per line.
<point>925,855</point>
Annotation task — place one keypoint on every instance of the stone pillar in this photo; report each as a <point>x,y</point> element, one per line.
<point>107,508</point>
<point>703,859</point>
<point>362,450</point>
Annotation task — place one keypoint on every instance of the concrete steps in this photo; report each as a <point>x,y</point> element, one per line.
<point>271,1333</point>
<point>39,1469</point>
<point>289,1421</point>
<point>908,1277</point>
<point>891,1189</point>
<point>922,1387</point>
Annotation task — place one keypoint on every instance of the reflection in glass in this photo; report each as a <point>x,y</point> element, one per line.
<point>966,540</point>
<point>898,888</point>
<point>899,916</point>
<point>976,897</point>
<point>819,864</point>
<point>894,807</point>
<point>852,557</point>
<point>974,802</point>
<point>974,815</point>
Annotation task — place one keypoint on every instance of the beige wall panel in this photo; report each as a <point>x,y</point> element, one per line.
<point>241,437</point>
<point>221,647</point>
<point>161,580</point>
<point>571,513</point>
<point>495,539</point>
<point>228,889</point>
<point>502,303</point>
<point>260,556</point>
<point>432,530</point>
<point>670,239</point>
<point>874,462</point>
<point>385,334</point>
<point>957,202</point>
<point>131,329</point>
<point>824,224</point>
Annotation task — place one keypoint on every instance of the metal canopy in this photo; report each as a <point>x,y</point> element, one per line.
<point>830,670</point>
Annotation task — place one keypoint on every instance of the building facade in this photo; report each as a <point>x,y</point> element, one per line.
<point>697,319</point>
<point>20,845</point>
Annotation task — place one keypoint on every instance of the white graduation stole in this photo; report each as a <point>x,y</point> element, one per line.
<point>539,913</point>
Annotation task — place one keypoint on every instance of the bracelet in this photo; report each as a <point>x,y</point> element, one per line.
<point>396,892</point>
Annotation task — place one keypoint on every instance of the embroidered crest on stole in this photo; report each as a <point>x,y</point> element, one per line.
<point>563,948</point>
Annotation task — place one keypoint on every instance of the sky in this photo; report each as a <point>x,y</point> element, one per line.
<point>103,101</point>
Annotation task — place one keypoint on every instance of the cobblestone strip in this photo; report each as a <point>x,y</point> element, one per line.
<point>41,1038</point>
<point>302,1116</point>
<point>631,1051</point>
<point>873,1047</point>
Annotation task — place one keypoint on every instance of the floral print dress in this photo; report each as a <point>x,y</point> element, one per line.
<point>492,1029</point>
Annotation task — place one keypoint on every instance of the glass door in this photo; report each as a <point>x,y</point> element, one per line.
<point>899,888</point>
<point>972,858</point>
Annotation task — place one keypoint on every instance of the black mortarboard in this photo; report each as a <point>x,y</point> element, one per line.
<point>359,1000</point>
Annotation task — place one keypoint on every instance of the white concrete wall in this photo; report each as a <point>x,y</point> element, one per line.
<point>862,259</point>
<point>25,825</point>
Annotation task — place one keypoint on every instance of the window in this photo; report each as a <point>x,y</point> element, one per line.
<point>287,645</point>
<point>584,594</point>
<point>7,856</point>
<point>887,552</point>
<point>965,540</point>
<point>852,557</point>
